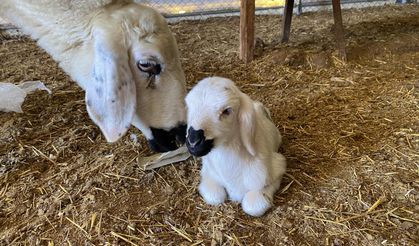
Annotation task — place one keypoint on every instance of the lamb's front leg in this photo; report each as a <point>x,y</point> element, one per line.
<point>265,183</point>
<point>262,185</point>
<point>212,192</point>
<point>256,203</point>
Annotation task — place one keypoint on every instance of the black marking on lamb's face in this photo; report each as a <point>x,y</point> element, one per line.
<point>167,140</point>
<point>113,100</point>
<point>197,144</point>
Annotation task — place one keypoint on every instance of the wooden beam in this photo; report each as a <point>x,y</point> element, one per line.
<point>340,39</point>
<point>247,30</point>
<point>286,20</point>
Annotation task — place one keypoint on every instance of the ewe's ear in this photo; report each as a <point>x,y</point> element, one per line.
<point>111,94</point>
<point>247,123</point>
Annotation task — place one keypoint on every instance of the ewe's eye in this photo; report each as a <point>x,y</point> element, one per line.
<point>226,112</point>
<point>152,68</point>
<point>149,66</point>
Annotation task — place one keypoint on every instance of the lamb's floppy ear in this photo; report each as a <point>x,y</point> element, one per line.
<point>111,94</point>
<point>247,121</point>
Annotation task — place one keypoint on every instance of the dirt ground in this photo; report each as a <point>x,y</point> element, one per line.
<point>351,139</point>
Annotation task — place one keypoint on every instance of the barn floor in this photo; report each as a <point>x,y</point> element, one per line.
<point>351,138</point>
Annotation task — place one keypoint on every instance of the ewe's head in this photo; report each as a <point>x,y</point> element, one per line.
<point>137,77</point>
<point>218,113</point>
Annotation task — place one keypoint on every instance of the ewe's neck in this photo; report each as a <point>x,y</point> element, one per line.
<point>62,21</point>
<point>58,26</point>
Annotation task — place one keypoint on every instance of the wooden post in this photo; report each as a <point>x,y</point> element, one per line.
<point>247,30</point>
<point>286,20</point>
<point>340,39</point>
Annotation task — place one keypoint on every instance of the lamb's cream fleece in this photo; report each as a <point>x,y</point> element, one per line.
<point>244,162</point>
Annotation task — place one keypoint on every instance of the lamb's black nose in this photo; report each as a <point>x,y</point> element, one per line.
<point>195,137</point>
<point>196,142</point>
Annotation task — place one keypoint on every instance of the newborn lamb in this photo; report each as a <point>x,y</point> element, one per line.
<point>238,143</point>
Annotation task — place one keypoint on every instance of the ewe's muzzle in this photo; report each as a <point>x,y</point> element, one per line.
<point>164,140</point>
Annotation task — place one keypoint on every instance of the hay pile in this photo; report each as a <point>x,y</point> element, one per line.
<point>351,138</point>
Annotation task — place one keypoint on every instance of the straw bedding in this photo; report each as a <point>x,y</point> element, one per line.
<point>351,138</point>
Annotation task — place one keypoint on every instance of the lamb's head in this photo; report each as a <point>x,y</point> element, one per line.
<point>137,77</point>
<point>218,114</point>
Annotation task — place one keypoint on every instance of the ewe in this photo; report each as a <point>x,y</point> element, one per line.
<point>238,143</point>
<point>122,54</point>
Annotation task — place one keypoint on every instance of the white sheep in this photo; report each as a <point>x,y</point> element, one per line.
<point>238,143</point>
<point>121,53</point>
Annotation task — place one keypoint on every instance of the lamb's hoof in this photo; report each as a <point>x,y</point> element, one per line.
<point>212,194</point>
<point>255,203</point>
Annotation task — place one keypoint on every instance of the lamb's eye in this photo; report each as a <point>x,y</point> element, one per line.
<point>227,111</point>
<point>149,66</point>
